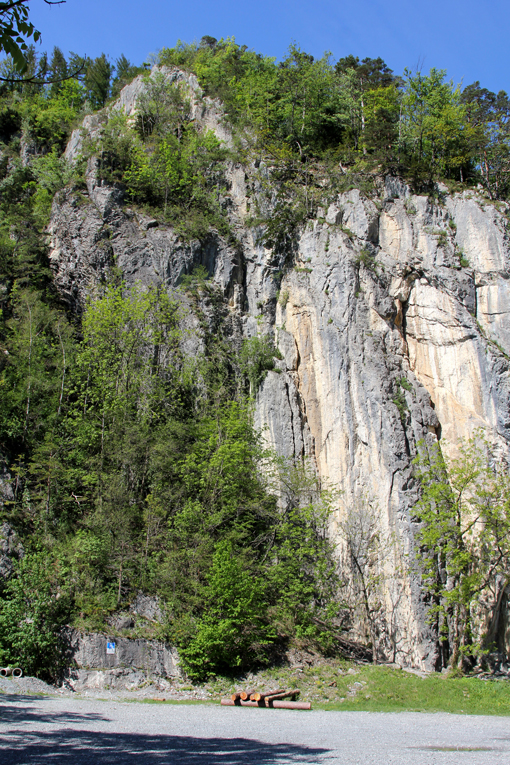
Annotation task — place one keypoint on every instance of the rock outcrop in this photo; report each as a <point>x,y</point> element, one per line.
<point>393,325</point>
<point>131,663</point>
<point>11,550</point>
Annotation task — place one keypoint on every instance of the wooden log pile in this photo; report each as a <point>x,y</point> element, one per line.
<point>278,699</point>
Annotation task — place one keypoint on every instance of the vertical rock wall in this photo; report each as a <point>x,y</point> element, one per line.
<point>393,328</point>
<point>393,324</point>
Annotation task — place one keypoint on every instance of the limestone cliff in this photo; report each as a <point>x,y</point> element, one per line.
<point>393,324</point>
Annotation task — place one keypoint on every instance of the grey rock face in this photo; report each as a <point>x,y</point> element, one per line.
<point>393,324</point>
<point>124,622</point>
<point>11,549</point>
<point>116,680</point>
<point>6,492</point>
<point>149,608</point>
<point>149,656</point>
<point>408,346</point>
<point>204,110</point>
<point>87,238</point>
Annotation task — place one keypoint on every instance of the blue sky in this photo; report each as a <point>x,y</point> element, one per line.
<point>465,37</point>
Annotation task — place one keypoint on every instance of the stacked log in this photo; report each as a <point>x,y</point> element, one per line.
<point>279,699</point>
<point>241,695</point>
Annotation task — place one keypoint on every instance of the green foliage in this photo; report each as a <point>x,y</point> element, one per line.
<point>97,81</point>
<point>366,259</point>
<point>256,359</point>
<point>399,398</point>
<point>212,493</point>
<point>48,117</point>
<point>304,576</point>
<point>52,173</point>
<point>164,162</point>
<point>404,383</point>
<point>357,112</point>
<point>180,174</point>
<point>433,124</point>
<point>34,608</point>
<point>15,30</point>
<point>233,632</point>
<point>10,123</point>
<point>141,472</point>
<point>198,276</point>
<point>31,379</point>
<point>125,72</point>
<point>114,148</point>
<point>464,538</point>
<point>162,108</point>
<point>488,136</point>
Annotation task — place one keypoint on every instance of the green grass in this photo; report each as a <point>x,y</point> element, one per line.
<point>333,684</point>
<point>330,686</point>
<point>391,690</point>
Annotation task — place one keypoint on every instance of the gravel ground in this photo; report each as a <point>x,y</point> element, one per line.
<point>82,731</point>
<point>158,691</point>
<point>29,685</point>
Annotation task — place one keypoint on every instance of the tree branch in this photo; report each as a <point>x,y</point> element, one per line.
<point>33,81</point>
<point>6,7</point>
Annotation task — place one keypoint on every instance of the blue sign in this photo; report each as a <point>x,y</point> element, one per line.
<point>110,648</point>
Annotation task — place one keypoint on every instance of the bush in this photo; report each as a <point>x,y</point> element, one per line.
<point>256,359</point>
<point>33,611</point>
<point>232,632</point>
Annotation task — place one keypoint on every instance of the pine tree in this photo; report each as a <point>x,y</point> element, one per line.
<point>57,70</point>
<point>97,81</point>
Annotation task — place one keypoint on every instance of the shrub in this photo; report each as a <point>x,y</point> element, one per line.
<point>33,612</point>
<point>233,631</point>
<point>257,358</point>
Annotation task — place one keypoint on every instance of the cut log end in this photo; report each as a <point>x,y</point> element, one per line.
<point>261,696</point>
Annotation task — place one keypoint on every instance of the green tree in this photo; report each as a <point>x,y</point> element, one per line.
<point>34,609</point>
<point>464,545</point>
<point>181,175</point>
<point>433,124</point>
<point>488,118</point>
<point>357,82</point>
<point>303,572</point>
<point>98,80</point>
<point>256,359</point>
<point>125,71</point>
<point>211,492</point>
<point>53,173</point>
<point>233,632</point>
<point>114,149</point>
<point>35,370</point>
<point>162,108</point>
<point>58,70</point>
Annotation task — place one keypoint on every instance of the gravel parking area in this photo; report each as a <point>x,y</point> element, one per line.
<point>94,732</point>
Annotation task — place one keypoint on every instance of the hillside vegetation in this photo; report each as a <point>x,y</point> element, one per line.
<point>134,466</point>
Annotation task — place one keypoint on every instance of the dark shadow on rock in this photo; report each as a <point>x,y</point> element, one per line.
<point>98,748</point>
